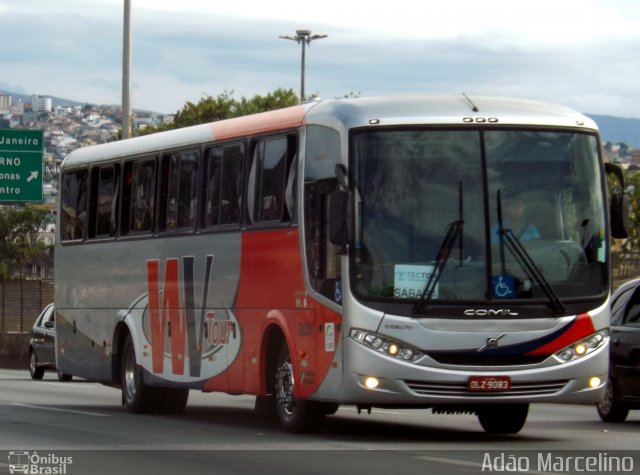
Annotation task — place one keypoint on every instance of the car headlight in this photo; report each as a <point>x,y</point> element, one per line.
<point>582,348</point>
<point>385,345</point>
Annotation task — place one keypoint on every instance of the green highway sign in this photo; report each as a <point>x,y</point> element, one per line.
<point>21,165</point>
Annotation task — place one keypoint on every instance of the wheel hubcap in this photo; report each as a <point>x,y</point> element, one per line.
<point>130,374</point>
<point>33,363</point>
<point>284,387</point>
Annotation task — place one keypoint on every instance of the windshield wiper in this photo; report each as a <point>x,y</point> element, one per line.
<point>509,240</point>
<point>454,231</point>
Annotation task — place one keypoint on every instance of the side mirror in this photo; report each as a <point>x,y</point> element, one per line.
<point>619,205</point>
<point>339,218</point>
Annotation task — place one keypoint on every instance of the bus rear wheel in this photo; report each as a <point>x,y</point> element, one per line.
<point>294,415</point>
<point>141,398</point>
<point>502,418</point>
<point>136,396</point>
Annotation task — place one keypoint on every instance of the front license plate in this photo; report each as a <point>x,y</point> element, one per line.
<point>489,383</point>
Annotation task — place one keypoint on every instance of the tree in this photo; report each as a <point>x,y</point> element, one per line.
<point>19,243</point>
<point>632,182</point>
<point>225,106</point>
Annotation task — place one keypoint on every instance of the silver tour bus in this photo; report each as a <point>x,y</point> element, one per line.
<point>439,252</point>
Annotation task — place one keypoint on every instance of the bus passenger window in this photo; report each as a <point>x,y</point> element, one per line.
<point>106,202</point>
<point>142,196</point>
<point>268,180</point>
<point>224,185</point>
<point>74,205</point>
<point>181,190</point>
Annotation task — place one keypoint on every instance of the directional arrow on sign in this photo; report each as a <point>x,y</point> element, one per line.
<point>33,176</point>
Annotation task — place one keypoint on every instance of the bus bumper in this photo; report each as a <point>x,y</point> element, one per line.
<point>427,383</point>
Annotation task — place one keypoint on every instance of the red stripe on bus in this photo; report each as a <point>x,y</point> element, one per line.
<point>259,123</point>
<point>581,328</point>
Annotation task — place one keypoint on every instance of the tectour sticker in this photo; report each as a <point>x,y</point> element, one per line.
<point>410,281</point>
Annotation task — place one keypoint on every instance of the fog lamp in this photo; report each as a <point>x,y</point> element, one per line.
<point>595,382</point>
<point>371,382</point>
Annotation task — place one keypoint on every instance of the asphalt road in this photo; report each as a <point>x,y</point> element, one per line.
<point>80,427</point>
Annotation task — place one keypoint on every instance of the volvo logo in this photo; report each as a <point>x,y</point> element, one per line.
<point>492,342</point>
<point>484,312</point>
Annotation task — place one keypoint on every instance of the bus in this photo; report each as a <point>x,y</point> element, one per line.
<point>344,252</point>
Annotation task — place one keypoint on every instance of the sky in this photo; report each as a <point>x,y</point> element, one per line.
<point>579,53</point>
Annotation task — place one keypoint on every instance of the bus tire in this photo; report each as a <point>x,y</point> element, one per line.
<point>265,406</point>
<point>294,415</point>
<point>35,371</point>
<point>172,400</point>
<point>502,418</point>
<point>137,397</point>
<point>610,409</point>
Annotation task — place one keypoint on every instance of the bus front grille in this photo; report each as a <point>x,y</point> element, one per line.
<point>483,360</point>
<point>430,388</point>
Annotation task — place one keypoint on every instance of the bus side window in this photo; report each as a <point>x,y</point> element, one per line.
<point>180,190</point>
<point>223,185</point>
<point>74,205</point>
<point>267,188</point>
<point>104,201</point>
<point>139,196</point>
<point>323,262</point>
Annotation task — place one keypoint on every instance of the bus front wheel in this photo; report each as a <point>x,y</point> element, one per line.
<point>294,415</point>
<point>502,418</point>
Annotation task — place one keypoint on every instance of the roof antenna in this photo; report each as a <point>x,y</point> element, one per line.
<point>474,108</point>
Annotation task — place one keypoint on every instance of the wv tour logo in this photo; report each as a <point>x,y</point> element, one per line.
<point>179,328</point>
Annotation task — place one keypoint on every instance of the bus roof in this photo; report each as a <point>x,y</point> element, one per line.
<point>350,113</point>
<point>447,110</point>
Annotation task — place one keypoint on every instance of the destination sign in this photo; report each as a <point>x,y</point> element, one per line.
<point>21,165</point>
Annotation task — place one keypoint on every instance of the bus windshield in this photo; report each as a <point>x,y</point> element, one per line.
<point>480,215</point>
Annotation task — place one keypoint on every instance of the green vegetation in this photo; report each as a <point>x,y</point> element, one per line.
<point>225,106</point>
<point>19,228</point>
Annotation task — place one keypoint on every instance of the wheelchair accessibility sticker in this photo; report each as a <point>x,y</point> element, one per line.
<point>503,287</point>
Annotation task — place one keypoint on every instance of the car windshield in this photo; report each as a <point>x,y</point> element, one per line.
<point>480,215</point>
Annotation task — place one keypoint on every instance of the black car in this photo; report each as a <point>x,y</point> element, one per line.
<point>623,385</point>
<point>42,351</point>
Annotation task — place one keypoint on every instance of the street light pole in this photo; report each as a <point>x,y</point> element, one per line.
<point>303,37</point>
<point>126,67</point>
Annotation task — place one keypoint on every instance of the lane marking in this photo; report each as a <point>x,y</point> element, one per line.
<point>56,409</point>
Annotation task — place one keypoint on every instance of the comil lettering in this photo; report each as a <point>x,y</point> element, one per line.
<point>484,312</point>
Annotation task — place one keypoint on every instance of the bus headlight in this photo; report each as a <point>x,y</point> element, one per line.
<point>582,348</point>
<point>385,345</point>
